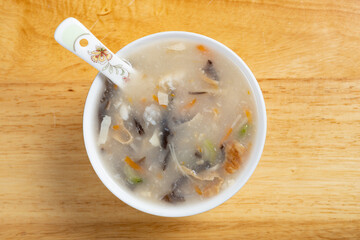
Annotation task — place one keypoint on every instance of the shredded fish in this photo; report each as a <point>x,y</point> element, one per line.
<point>205,175</point>
<point>236,121</point>
<point>173,156</point>
<point>213,187</point>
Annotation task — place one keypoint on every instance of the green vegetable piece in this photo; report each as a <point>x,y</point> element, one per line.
<point>136,180</point>
<point>131,175</point>
<point>243,130</point>
<point>209,151</point>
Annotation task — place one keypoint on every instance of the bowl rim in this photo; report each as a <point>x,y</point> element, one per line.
<point>186,209</point>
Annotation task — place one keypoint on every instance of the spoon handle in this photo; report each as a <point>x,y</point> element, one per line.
<point>76,38</point>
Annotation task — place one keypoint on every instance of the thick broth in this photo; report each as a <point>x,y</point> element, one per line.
<point>187,142</point>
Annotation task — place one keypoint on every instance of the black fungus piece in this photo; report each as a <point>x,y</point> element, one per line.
<point>202,167</point>
<point>185,119</point>
<point>222,149</point>
<point>104,105</point>
<point>109,91</point>
<point>198,154</point>
<point>139,128</point>
<point>165,161</point>
<point>171,98</point>
<point>172,197</point>
<point>197,93</point>
<point>175,194</point>
<point>165,133</point>
<point>179,182</point>
<point>210,71</point>
<point>141,160</point>
<point>179,121</point>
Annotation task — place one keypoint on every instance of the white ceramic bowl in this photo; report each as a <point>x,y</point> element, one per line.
<point>90,126</point>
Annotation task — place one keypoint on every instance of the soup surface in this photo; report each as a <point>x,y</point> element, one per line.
<point>181,130</point>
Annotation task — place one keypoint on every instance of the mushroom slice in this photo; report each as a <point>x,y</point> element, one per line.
<point>122,135</point>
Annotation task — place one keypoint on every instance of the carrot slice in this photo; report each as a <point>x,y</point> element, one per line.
<point>227,135</point>
<point>198,190</point>
<point>198,148</point>
<point>190,104</point>
<point>143,100</point>
<point>202,48</point>
<point>132,164</point>
<point>248,115</point>
<point>116,127</point>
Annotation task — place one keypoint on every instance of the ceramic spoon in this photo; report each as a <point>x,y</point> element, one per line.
<point>76,38</point>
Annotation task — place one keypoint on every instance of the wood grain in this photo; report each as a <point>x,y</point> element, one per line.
<point>305,55</point>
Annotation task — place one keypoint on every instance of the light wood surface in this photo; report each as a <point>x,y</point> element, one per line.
<point>305,55</point>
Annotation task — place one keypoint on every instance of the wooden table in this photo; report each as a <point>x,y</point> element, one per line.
<point>305,55</point>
